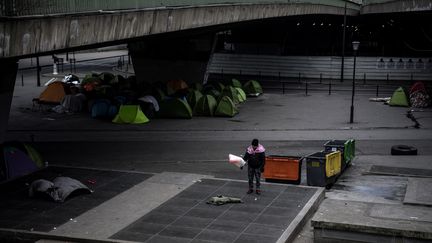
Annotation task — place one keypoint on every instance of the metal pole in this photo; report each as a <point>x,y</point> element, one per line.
<point>353,90</point>
<point>306,88</point>
<point>22,80</point>
<point>377,90</point>
<point>320,77</point>
<point>330,87</point>
<point>364,78</point>
<point>38,70</point>
<point>343,45</point>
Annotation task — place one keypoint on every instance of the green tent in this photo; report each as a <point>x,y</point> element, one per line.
<point>212,92</point>
<point>34,155</point>
<point>130,114</point>
<point>399,98</point>
<point>193,97</point>
<point>235,83</point>
<point>232,93</point>
<point>174,108</point>
<point>206,106</point>
<point>158,94</point>
<point>219,86</point>
<point>196,86</point>
<point>253,88</point>
<point>226,107</point>
<point>241,94</point>
<point>106,77</point>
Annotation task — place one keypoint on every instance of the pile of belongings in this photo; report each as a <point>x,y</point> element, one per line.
<point>419,98</point>
<point>221,200</point>
<point>59,189</point>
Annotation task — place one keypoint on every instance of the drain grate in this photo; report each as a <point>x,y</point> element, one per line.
<point>399,171</point>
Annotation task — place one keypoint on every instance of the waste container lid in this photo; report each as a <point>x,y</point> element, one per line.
<point>335,142</point>
<point>319,155</point>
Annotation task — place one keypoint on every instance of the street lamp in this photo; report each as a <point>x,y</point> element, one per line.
<point>355,45</point>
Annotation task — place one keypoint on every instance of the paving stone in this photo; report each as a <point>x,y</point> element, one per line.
<point>202,241</point>
<point>166,239</point>
<point>247,208</point>
<point>192,222</point>
<point>204,205</point>
<point>217,236</point>
<point>254,199</point>
<point>246,238</point>
<point>261,229</point>
<point>145,228</point>
<point>180,232</point>
<point>205,213</point>
<point>171,210</point>
<point>227,225</point>
<point>281,211</point>
<point>239,216</point>
<point>158,218</point>
<point>131,236</point>
<point>182,202</point>
<point>194,195</point>
<point>273,220</point>
<point>213,182</point>
<point>202,188</point>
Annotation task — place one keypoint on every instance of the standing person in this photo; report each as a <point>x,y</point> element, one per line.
<point>255,157</point>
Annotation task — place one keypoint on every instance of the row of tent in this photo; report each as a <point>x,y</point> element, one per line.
<point>18,159</point>
<point>221,103</point>
<point>417,96</point>
<point>172,99</point>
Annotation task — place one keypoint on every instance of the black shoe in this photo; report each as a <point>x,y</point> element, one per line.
<point>258,191</point>
<point>250,191</point>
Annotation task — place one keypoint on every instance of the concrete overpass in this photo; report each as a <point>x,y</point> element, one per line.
<point>31,28</point>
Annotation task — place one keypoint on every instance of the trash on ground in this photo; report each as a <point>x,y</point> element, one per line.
<point>221,200</point>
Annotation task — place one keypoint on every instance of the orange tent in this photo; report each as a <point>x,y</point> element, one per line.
<point>175,85</point>
<point>54,93</point>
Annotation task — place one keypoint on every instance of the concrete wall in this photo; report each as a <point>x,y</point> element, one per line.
<point>392,6</point>
<point>34,35</point>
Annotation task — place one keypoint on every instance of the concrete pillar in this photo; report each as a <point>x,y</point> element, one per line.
<point>8,73</point>
<point>171,58</point>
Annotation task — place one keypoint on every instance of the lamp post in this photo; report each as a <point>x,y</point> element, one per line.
<point>355,45</point>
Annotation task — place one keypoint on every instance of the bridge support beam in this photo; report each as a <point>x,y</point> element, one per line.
<point>8,73</point>
<point>171,59</point>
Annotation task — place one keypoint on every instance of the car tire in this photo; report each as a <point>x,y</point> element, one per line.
<point>403,150</point>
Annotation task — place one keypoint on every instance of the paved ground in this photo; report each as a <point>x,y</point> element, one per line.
<point>287,124</point>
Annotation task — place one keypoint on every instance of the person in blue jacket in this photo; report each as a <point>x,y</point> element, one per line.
<point>255,157</point>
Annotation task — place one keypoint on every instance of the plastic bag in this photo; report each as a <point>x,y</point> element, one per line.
<point>236,160</point>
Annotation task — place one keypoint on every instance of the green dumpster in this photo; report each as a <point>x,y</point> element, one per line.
<point>346,147</point>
